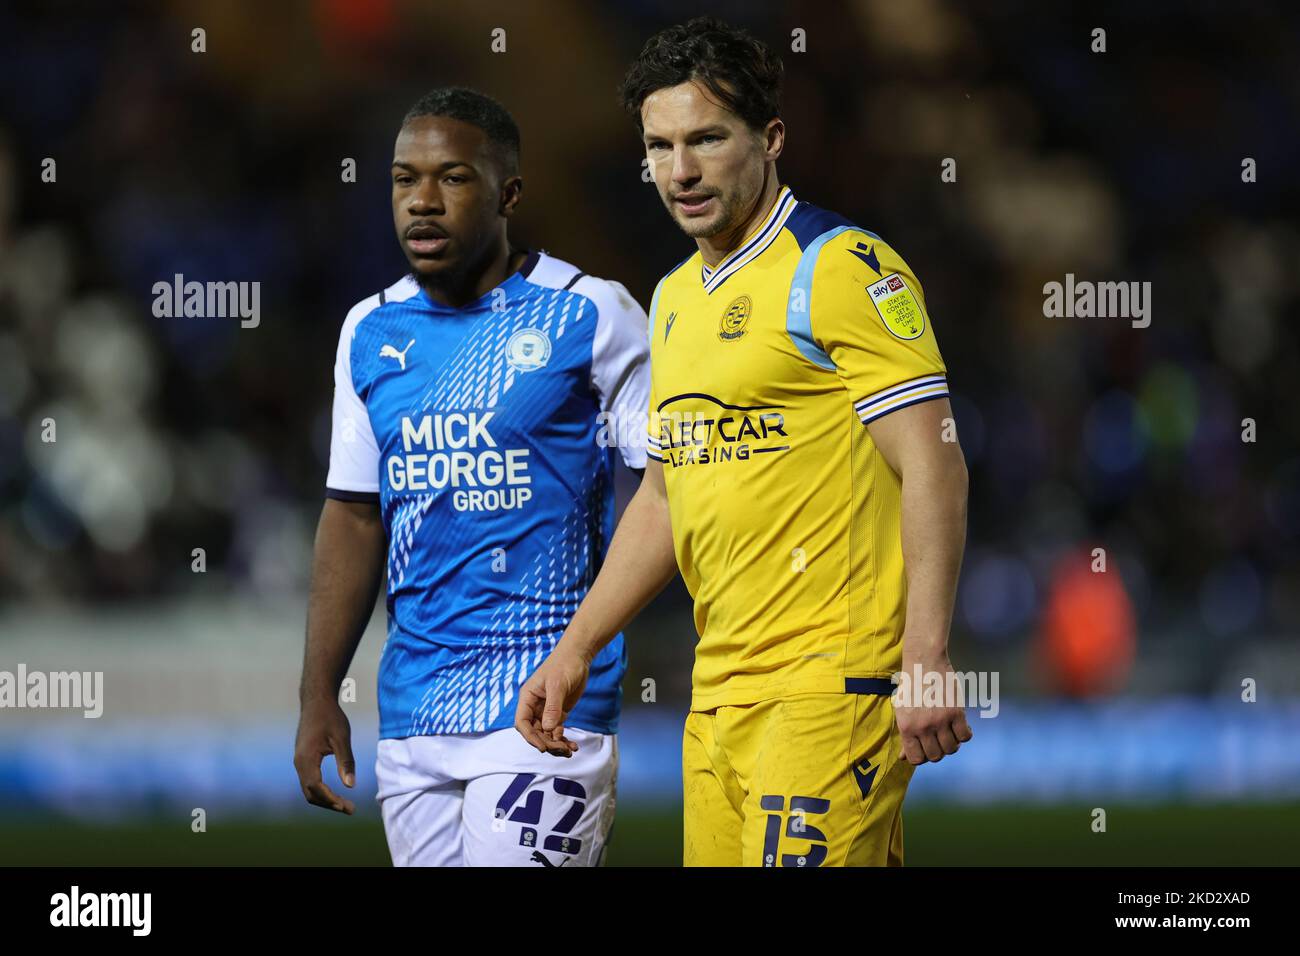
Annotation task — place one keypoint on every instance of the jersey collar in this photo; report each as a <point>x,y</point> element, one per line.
<point>753,246</point>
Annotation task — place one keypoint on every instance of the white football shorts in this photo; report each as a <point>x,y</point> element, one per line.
<point>490,799</point>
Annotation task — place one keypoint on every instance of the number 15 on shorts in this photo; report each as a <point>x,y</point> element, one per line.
<point>797,827</point>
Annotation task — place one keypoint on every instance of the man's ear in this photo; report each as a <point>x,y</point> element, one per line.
<point>511,191</point>
<point>774,139</point>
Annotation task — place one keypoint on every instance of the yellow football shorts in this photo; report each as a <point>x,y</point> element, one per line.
<point>805,780</point>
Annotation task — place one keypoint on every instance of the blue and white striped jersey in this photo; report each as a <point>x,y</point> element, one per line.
<point>486,434</point>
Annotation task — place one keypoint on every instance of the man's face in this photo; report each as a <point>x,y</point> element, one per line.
<point>708,164</point>
<point>446,196</point>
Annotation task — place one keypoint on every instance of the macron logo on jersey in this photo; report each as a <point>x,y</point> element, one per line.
<point>869,256</point>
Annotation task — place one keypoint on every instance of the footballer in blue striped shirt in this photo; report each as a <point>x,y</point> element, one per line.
<point>467,460</point>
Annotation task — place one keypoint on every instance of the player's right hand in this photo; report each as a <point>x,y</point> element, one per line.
<point>323,729</point>
<point>546,699</point>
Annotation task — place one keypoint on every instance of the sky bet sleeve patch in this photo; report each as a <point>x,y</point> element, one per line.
<point>898,307</point>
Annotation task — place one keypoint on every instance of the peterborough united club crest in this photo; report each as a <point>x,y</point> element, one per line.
<point>528,349</point>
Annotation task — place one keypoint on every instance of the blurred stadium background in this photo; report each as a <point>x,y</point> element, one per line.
<point>1121,691</point>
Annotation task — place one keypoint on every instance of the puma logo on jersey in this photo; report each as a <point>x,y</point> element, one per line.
<point>389,351</point>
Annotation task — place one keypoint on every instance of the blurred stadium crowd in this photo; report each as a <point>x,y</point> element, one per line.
<point>176,434</point>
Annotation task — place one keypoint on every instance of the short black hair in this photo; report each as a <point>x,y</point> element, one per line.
<point>477,109</point>
<point>739,69</point>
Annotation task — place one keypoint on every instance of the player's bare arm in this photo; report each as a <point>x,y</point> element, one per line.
<point>347,568</point>
<point>919,444</point>
<point>639,565</point>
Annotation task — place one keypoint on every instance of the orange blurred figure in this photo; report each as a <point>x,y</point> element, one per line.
<point>1089,633</point>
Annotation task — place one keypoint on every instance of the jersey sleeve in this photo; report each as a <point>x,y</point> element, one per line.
<point>653,429</point>
<point>354,454</point>
<point>868,316</point>
<point>653,451</point>
<point>620,366</point>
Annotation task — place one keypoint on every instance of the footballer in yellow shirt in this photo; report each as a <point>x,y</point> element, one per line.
<point>821,555</point>
<point>785,515</point>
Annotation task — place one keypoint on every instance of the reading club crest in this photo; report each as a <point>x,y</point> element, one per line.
<point>735,319</point>
<point>528,349</point>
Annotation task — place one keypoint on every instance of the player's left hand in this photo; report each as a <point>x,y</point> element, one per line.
<point>546,699</point>
<point>931,733</point>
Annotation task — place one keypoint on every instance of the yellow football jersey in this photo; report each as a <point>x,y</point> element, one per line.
<point>785,515</point>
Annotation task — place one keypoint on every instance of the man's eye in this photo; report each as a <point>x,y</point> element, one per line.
<point>454,179</point>
<point>658,146</point>
<point>710,138</point>
<point>403,180</point>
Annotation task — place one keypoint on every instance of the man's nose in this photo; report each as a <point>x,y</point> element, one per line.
<point>685,169</point>
<point>426,199</point>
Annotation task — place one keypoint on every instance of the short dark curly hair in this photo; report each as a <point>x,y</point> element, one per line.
<point>740,70</point>
<point>477,109</point>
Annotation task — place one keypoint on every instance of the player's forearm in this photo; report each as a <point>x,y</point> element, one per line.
<point>639,565</point>
<point>934,536</point>
<point>347,567</point>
